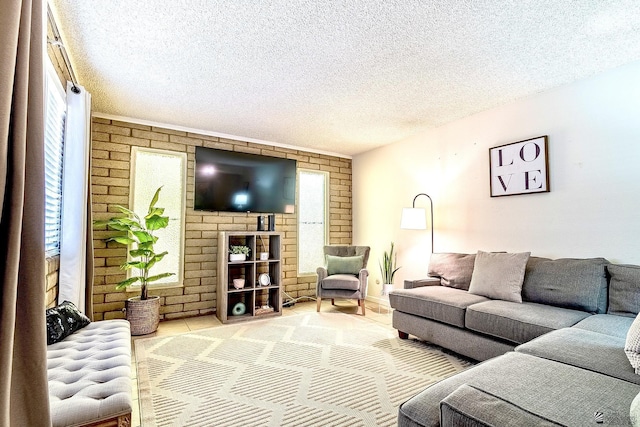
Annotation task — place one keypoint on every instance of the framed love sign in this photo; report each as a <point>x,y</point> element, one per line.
<point>519,167</point>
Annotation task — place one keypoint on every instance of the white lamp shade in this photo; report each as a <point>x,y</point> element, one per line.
<point>413,219</point>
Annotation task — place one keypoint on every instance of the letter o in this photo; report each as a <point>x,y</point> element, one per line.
<point>537,151</point>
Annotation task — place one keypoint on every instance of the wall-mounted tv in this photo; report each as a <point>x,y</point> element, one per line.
<point>230,181</point>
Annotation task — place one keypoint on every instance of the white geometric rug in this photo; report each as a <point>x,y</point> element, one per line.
<point>314,369</point>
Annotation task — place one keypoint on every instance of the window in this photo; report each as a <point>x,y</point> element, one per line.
<point>312,219</point>
<point>55,115</point>
<point>150,169</point>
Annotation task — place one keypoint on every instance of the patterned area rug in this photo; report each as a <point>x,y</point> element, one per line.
<point>315,369</point>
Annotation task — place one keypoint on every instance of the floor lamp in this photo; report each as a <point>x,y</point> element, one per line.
<point>415,218</point>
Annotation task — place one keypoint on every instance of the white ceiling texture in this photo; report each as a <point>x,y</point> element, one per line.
<point>335,76</point>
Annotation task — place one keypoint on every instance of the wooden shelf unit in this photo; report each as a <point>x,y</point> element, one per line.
<point>253,295</point>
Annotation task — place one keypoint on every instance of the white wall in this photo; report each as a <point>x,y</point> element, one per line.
<point>593,208</point>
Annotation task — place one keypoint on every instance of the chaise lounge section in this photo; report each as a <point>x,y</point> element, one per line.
<point>556,358</point>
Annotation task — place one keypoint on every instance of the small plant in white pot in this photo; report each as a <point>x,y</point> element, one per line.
<point>388,269</point>
<point>138,234</point>
<point>238,253</point>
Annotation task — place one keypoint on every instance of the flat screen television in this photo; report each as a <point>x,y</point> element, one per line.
<point>230,181</point>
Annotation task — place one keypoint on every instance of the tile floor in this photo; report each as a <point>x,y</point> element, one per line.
<point>378,313</point>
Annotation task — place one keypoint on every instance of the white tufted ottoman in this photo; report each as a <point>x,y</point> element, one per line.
<point>90,376</point>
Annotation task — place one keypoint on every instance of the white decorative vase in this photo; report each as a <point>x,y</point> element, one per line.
<point>238,283</point>
<point>386,288</point>
<point>237,257</point>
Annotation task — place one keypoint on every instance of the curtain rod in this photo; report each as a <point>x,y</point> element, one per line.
<point>57,41</point>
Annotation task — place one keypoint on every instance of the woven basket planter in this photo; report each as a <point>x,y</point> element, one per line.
<point>143,315</point>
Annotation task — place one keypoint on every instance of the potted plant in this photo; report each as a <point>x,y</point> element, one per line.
<point>388,269</point>
<point>238,253</point>
<point>138,234</point>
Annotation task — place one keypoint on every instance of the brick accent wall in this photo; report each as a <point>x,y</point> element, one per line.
<point>111,153</point>
<point>53,266</point>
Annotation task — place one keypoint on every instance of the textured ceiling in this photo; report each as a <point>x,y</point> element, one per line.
<point>336,76</point>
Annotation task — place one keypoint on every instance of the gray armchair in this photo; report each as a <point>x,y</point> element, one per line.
<point>344,275</point>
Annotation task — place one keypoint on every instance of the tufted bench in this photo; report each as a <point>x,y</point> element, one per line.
<point>90,376</point>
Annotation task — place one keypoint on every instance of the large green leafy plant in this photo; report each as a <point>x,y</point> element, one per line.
<point>137,233</point>
<point>388,266</point>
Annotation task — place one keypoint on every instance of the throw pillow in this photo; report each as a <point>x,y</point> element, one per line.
<point>454,270</point>
<point>634,411</point>
<point>499,275</point>
<point>344,264</point>
<point>632,344</point>
<point>624,290</point>
<point>64,320</point>
<point>580,284</point>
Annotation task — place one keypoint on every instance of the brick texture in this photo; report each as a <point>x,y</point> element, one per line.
<point>111,151</point>
<point>53,266</point>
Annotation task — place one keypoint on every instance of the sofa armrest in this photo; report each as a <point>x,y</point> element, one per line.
<point>429,281</point>
<point>322,274</point>
<point>363,277</point>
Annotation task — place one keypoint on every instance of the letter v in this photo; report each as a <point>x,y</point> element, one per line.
<point>504,186</point>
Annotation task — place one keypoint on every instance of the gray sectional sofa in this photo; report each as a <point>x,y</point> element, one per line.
<point>555,358</point>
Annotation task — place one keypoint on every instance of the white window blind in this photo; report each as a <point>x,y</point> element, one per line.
<point>150,169</point>
<point>312,219</point>
<point>55,114</point>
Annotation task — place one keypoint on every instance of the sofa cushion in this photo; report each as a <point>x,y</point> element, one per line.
<point>519,323</point>
<point>607,324</point>
<point>462,341</point>
<point>584,349</point>
<point>555,391</point>
<point>344,264</point>
<point>439,303</point>
<point>341,281</point>
<point>454,270</point>
<point>632,344</point>
<point>572,283</point>
<point>63,320</point>
<point>624,290</point>
<point>499,275</point>
<point>471,407</point>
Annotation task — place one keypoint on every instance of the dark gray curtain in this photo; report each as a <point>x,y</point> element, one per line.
<point>24,397</point>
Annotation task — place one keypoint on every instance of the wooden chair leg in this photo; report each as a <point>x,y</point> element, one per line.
<point>318,306</point>
<point>333,302</point>
<point>362,305</point>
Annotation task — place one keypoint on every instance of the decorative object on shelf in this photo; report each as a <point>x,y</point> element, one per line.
<point>238,253</point>
<point>263,310</point>
<point>238,283</point>
<point>264,255</point>
<point>142,312</point>
<point>272,222</point>
<point>519,168</point>
<point>262,223</point>
<point>239,309</point>
<point>264,279</point>
<point>414,218</point>
<point>388,269</point>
